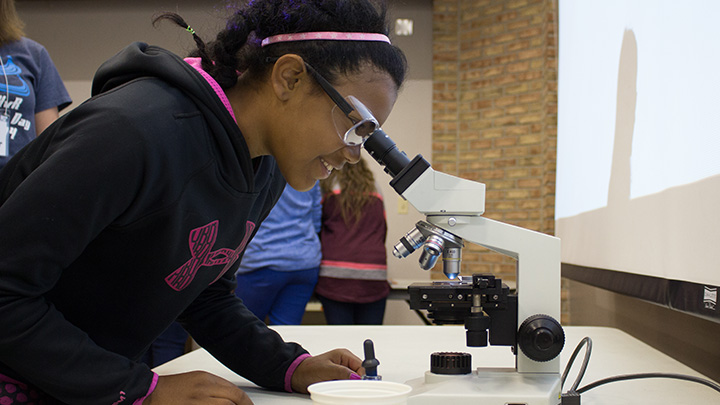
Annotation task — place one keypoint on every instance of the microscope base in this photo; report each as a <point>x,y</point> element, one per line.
<point>486,387</point>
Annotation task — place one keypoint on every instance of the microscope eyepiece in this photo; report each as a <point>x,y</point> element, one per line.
<point>384,151</point>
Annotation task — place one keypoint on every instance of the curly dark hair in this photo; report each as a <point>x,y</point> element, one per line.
<point>237,47</point>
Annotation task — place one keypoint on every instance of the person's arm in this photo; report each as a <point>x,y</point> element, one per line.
<point>44,118</point>
<point>221,324</point>
<point>47,221</point>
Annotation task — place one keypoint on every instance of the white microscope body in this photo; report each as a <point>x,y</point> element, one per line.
<point>454,205</point>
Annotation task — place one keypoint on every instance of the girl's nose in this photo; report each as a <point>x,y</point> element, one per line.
<point>351,153</point>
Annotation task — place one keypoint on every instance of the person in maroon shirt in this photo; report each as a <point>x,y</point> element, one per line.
<point>353,286</point>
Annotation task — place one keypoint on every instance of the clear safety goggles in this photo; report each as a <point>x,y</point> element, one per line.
<point>353,121</point>
<point>362,120</point>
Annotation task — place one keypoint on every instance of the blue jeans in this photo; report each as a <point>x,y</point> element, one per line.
<point>279,295</point>
<point>349,313</point>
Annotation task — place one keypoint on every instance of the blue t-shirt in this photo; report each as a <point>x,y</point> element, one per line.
<point>33,85</point>
<point>288,239</point>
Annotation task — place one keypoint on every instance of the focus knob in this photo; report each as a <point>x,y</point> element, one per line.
<point>541,338</point>
<point>450,363</point>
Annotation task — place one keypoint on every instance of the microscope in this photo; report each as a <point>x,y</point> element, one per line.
<point>525,321</point>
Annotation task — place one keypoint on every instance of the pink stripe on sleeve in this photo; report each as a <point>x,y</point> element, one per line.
<point>139,401</point>
<point>291,370</point>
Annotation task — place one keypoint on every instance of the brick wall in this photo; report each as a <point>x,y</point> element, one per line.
<point>495,112</point>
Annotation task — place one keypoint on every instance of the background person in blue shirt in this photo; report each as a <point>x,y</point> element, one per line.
<point>31,91</point>
<point>278,273</point>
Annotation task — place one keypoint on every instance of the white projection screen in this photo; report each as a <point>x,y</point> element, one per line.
<point>638,161</point>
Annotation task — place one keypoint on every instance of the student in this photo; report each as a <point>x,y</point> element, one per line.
<point>280,267</point>
<point>133,209</point>
<point>353,286</point>
<point>31,91</point>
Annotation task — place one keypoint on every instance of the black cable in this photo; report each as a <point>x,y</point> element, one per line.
<point>574,391</point>
<point>585,341</point>
<point>699,380</point>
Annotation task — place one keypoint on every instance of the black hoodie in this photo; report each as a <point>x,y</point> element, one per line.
<point>128,212</point>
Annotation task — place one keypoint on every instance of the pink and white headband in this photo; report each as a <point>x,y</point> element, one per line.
<point>325,35</point>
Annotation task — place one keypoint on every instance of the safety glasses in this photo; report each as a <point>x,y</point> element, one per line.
<point>361,121</point>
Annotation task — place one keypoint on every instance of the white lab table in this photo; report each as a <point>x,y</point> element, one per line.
<point>404,354</point>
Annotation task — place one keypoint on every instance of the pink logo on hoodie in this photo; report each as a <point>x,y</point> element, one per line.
<point>201,242</point>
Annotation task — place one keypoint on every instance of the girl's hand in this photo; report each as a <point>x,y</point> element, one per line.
<point>338,364</point>
<point>196,387</point>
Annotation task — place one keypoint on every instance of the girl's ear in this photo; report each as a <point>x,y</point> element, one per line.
<point>287,75</point>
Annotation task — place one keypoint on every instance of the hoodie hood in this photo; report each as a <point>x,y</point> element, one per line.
<point>143,60</point>
<point>140,60</point>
